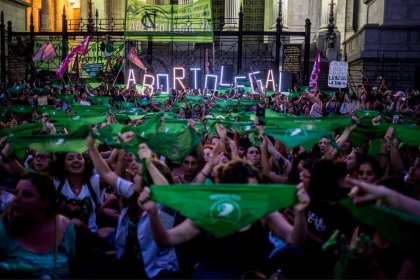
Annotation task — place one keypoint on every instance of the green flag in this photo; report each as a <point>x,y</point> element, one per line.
<point>73,142</point>
<point>66,98</point>
<point>22,109</point>
<point>223,209</point>
<point>293,137</point>
<point>99,100</point>
<point>16,89</point>
<point>21,130</point>
<point>400,228</point>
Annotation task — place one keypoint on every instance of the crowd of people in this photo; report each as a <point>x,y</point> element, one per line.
<point>74,214</point>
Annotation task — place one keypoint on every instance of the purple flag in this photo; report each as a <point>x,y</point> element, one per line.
<point>313,83</point>
<point>81,48</point>
<point>39,53</point>
<point>49,53</point>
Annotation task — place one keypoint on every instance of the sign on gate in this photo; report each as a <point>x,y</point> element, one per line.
<point>192,22</point>
<point>337,74</point>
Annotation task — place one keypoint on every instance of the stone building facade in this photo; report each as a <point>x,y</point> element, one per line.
<point>376,37</point>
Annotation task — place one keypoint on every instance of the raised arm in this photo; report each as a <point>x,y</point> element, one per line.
<point>293,234</point>
<point>105,172</point>
<point>146,154</point>
<point>365,192</point>
<point>181,233</point>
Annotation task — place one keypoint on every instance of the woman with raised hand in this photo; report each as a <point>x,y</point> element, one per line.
<point>155,261</point>
<point>246,249</point>
<point>36,241</point>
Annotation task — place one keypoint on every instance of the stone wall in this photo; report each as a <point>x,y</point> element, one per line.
<point>17,13</point>
<point>390,51</point>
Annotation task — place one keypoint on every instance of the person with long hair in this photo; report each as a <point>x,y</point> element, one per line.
<point>233,255</point>
<point>36,241</point>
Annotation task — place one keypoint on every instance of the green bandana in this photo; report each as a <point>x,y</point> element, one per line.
<point>400,228</point>
<point>223,209</point>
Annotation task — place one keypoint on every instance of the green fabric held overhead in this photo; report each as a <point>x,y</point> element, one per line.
<point>270,93</point>
<point>292,95</point>
<point>39,91</point>
<point>309,123</point>
<point>194,98</point>
<point>66,98</point>
<point>178,138</point>
<point>124,105</point>
<point>223,209</point>
<point>405,133</point>
<point>21,130</point>
<point>226,103</point>
<point>99,100</point>
<point>120,86</point>
<point>293,137</point>
<point>94,84</point>
<point>328,93</point>
<point>161,98</point>
<point>74,120</point>
<point>82,109</point>
<point>408,134</point>
<point>21,109</point>
<point>242,128</point>
<point>16,89</point>
<point>401,229</point>
<point>73,142</point>
<point>366,113</point>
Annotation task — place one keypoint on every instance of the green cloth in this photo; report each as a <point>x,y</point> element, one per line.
<point>178,138</point>
<point>73,142</point>
<point>310,123</point>
<point>401,229</point>
<point>66,98</point>
<point>293,137</point>
<point>161,98</point>
<point>22,109</point>
<point>16,89</point>
<point>223,209</point>
<point>292,95</point>
<point>21,130</point>
<point>99,100</point>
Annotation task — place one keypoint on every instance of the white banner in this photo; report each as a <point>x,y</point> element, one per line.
<point>337,74</point>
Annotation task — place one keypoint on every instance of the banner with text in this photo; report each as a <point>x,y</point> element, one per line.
<point>191,22</point>
<point>337,74</point>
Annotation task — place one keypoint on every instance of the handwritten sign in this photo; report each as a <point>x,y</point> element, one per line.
<point>337,74</point>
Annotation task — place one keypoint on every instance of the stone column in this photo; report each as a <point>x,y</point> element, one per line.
<point>117,9</point>
<point>84,10</point>
<point>184,1</point>
<point>232,14</point>
<point>47,13</point>
<point>285,10</point>
<point>58,14</point>
<point>325,13</point>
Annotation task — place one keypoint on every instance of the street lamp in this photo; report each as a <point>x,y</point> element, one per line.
<point>331,36</point>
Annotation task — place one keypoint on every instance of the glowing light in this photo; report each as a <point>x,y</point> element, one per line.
<point>159,78</point>
<point>178,78</point>
<point>195,70</point>
<point>280,79</point>
<point>239,78</point>
<point>270,79</point>
<point>131,78</point>
<point>148,77</point>
<point>222,83</point>
<point>215,81</point>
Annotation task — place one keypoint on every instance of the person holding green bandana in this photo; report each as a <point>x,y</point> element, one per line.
<point>231,256</point>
